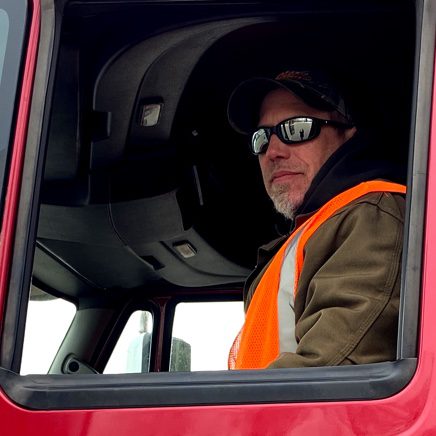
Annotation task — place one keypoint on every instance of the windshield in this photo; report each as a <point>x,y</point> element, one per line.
<point>12,32</point>
<point>4,30</point>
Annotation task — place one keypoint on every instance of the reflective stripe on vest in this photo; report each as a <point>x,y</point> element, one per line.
<point>257,344</point>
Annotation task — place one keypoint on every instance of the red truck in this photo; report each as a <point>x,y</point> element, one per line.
<point>131,213</point>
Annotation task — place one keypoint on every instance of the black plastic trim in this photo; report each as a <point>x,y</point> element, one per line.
<point>416,198</point>
<point>363,382</point>
<point>22,261</point>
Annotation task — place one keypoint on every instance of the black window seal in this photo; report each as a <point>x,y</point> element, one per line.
<point>417,180</point>
<point>363,382</point>
<point>28,209</point>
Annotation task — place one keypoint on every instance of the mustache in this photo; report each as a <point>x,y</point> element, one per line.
<point>275,167</point>
<point>280,170</point>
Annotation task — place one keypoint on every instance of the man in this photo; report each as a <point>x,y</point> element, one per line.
<point>328,293</point>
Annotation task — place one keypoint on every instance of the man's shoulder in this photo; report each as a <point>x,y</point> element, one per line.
<point>374,215</point>
<point>390,203</point>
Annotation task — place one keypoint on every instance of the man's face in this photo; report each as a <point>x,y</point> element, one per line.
<point>288,170</point>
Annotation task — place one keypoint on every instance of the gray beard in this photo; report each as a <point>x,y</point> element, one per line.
<point>282,203</point>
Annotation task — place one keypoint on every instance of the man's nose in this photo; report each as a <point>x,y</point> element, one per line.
<point>277,149</point>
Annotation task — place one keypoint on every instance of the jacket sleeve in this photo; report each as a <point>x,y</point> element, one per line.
<point>348,293</point>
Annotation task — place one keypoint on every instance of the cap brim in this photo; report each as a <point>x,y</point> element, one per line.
<point>245,101</point>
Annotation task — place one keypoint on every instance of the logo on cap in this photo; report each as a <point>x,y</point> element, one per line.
<point>295,75</point>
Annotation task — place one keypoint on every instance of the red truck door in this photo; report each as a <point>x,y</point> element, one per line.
<point>93,213</point>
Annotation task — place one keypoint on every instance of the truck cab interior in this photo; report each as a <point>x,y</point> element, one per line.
<point>145,197</point>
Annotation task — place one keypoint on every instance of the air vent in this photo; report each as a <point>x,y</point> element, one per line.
<point>153,262</point>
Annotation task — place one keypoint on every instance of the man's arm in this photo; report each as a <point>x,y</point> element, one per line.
<point>348,295</point>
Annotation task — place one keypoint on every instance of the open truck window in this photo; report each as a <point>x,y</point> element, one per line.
<point>144,202</point>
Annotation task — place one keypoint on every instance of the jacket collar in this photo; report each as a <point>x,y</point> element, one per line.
<point>357,160</point>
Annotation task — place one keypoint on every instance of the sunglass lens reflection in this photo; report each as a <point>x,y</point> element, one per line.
<point>259,141</point>
<point>297,130</point>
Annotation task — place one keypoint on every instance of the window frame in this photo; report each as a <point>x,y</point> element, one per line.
<point>117,328</point>
<point>41,33</point>
<point>162,307</point>
<point>242,387</point>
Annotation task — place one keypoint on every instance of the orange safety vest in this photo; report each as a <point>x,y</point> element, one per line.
<point>257,344</point>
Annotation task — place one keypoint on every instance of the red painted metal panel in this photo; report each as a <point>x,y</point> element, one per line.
<point>410,412</point>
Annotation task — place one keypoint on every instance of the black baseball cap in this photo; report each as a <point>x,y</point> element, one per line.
<point>313,87</point>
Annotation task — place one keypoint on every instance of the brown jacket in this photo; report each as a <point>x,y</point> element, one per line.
<point>346,308</point>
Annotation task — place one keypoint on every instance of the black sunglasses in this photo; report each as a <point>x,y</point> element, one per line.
<point>291,131</point>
